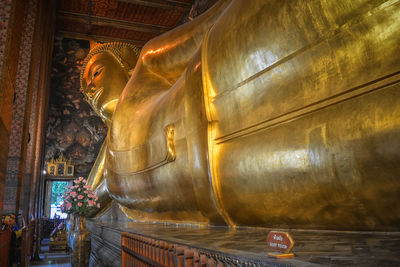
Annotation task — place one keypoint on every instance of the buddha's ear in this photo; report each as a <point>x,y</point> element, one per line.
<point>129,56</point>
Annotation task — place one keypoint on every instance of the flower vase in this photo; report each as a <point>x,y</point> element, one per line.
<point>70,229</point>
<point>80,243</point>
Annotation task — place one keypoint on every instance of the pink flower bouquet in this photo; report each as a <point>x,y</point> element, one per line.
<point>79,198</point>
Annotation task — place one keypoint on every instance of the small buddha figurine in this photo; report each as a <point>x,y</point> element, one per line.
<point>278,114</point>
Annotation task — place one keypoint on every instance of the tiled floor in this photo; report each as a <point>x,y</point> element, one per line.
<point>57,258</point>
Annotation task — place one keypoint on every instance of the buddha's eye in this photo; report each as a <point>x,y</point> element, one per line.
<point>97,72</point>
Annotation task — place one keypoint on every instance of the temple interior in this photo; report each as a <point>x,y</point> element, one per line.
<point>200,133</point>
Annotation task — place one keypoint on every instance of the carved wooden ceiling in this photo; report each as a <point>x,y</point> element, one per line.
<point>135,21</point>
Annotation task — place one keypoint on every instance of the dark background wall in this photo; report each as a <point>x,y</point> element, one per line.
<point>72,128</point>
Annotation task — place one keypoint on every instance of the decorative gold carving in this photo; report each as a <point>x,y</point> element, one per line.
<point>60,167</point>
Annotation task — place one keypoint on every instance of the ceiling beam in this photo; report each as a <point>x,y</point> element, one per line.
<point>102,21</point>
<point>97,38</point>
<point>167,4</point>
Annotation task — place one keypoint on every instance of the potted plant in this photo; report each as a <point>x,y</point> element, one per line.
<point>79,200</point>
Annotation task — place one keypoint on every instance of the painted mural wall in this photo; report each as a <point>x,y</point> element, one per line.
<point>73,129</point>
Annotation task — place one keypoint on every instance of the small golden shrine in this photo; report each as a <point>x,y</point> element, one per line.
<point>60,167</point>
<point>59,241</point>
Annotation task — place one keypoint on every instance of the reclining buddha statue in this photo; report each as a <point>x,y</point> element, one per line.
<point>275,114</point>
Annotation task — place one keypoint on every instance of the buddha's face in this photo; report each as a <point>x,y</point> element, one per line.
<point>102,84</point>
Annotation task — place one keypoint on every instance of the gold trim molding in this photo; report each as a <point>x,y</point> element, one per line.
<point>60,167</point>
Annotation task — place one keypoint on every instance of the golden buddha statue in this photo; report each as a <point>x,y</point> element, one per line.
<point>275,114</point>
<point>104,74</point>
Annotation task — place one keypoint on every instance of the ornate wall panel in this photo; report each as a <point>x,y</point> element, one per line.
<point>5,12</point>
<point>14,169</point>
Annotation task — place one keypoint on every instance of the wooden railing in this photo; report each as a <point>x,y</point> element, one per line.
<point>5,240</point>
<point>143,251</point>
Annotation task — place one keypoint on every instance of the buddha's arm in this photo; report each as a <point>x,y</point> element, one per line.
<point>161,62</point>
<point>164,58</point>
<point>168,54</point>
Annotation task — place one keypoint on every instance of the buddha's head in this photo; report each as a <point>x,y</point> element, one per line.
<point>104,74</point>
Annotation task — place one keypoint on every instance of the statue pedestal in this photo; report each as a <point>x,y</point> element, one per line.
<point>242,246</point>
<point>105,244</point>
